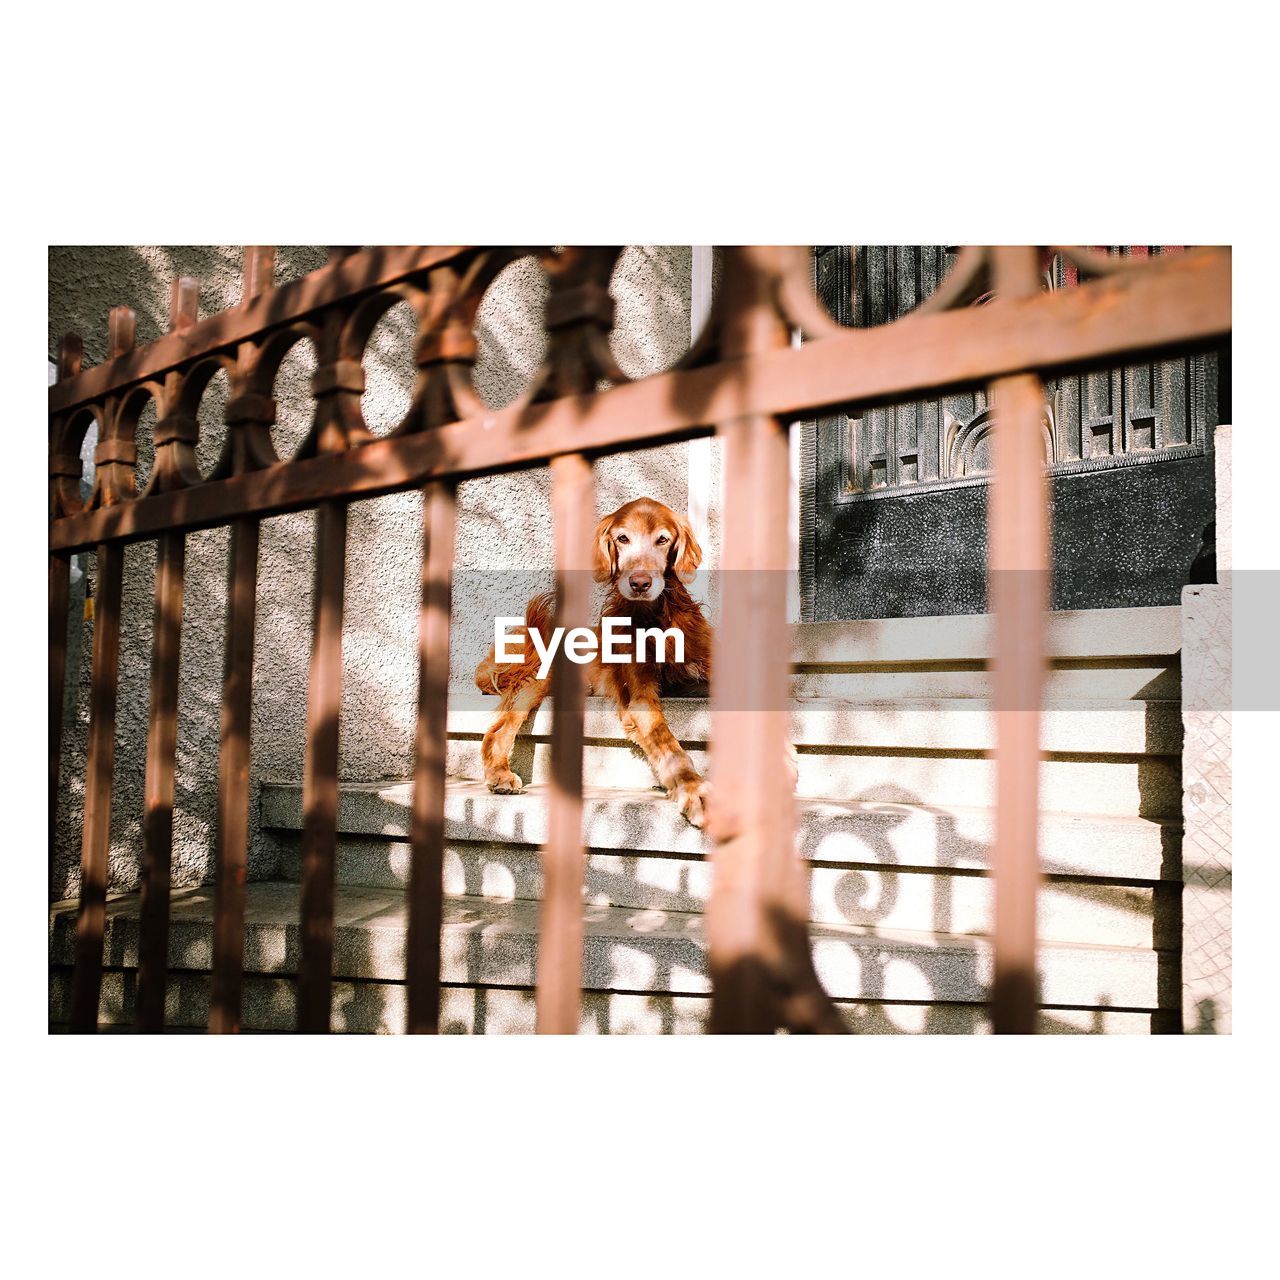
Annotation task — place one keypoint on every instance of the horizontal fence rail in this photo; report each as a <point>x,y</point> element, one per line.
<point>742,381</point>
<point>1183,305</point>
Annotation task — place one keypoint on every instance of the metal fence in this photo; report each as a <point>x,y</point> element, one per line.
<point>742,381</point>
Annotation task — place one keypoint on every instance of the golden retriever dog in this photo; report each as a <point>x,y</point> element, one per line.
<point>647,553</point>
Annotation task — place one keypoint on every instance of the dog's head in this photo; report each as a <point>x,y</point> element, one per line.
<point>642,542</point>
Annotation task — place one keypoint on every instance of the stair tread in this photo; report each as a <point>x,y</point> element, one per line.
<point>277,903</point>
<point>867,831</point>
<point>270,1005</point>
<point>490,941</point>
<point>1130,726</point>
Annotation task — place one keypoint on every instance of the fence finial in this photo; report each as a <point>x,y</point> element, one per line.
<point>70,356</point>
<point>122,325</point>
<point>259,270</point>
<point>184,303</point>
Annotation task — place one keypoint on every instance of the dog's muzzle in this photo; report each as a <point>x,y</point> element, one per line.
<point>641,585</point>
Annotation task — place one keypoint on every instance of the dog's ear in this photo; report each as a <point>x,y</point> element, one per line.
<point>606,554</point>
<point>686,555</point>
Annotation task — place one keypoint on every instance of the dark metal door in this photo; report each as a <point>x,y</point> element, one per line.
<point>894,509</point>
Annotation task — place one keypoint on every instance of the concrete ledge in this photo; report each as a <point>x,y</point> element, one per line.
<point>1086,633</point>
<point>1086,680</point>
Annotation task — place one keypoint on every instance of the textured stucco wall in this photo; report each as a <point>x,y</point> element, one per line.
<point>504,523</point>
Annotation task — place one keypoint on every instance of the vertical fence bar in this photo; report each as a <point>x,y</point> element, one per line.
<point>59,597</point>
<point>158,787</point>
<point>162,730</point>
<point>70,358</point>
<point>752,822</point>
<point>86,985</point>
<point>87,981</point>
<point>1018,587</point>
<point>426,868</point>
<point>757,920</point>
<point>559,986</point>
<point>233,780</point>
<point>320,771</point>
<point>234,747</point>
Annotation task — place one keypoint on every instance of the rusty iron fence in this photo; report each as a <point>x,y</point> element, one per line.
<point>743,381</point>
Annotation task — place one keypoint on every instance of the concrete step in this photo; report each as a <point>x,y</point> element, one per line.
<point>1148,787</point>
<point>1117,758</point>
<point>1093,727</point>
<point>891,866</point>
<point>269,1004</point>
<point>487,943</point>
<point>1070,911</point>
<point>1103,655</point>
<point>867,833</point>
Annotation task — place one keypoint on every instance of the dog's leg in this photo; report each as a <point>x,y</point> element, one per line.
<point>495,752</point>
<point>647,727</point>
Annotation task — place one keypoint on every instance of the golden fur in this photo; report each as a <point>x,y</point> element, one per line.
<point>641,549</point>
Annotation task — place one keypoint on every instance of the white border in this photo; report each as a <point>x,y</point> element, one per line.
<point>532,124</point>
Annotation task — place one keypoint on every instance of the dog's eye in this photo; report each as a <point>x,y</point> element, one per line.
<point>621,537</point>
<point>663,540</point>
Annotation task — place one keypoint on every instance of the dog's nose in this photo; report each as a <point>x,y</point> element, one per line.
<point>641,582</point>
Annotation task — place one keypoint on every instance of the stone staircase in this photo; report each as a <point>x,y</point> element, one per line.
<point>894,741</point>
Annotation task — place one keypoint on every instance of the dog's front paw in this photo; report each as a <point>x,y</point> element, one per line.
<point>502,782</point>
<point>692,797</point>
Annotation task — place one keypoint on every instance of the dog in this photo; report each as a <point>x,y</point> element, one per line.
<point>647,553</point>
